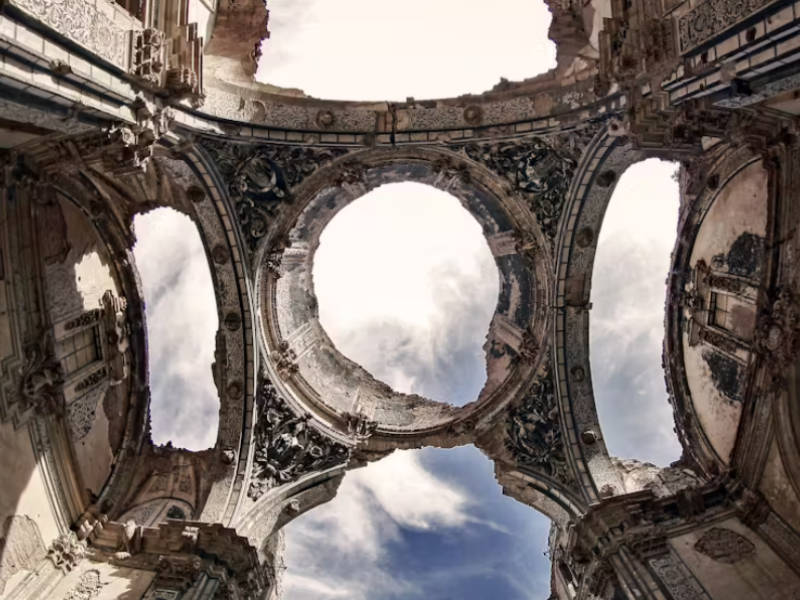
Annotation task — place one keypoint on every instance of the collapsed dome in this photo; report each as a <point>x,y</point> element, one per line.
<point>323,379</point>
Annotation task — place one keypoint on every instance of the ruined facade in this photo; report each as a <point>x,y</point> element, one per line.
<point>111,110</point>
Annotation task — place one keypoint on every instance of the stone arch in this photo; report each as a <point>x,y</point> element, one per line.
<point>601,167</point>
<point>687,310</point>
<point>236,357</point>
<point>120,322</point>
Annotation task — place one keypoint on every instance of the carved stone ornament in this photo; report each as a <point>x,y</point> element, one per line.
<point>148,55</point>
<point>284,360</point>
<point>540,170</point>
<point>273,263</point>
<point>359,425</point>
<point>41,379</point>
<point>286,447</point>
<point>260,178</point>
<point>126,150</point>
<point>67,551</point>
<point>709,18</point>
<point>130,541</point>
<point>776,334</point>
<point>534,431</point>
<point>529,347</point>
<point>325,119</point>
<point>88,318</point>
<point>89,586</point>
<point>178,572</point>
<point>724,545</point>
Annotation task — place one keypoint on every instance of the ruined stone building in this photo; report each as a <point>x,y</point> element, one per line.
<point>109,110</point>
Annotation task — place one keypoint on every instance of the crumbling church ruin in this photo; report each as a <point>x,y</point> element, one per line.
<point>109,110</point>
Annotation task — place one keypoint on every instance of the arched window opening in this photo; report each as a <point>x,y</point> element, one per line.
<point>407,287</point>
<point>381,50</point>
<point>627,318</point>
<point>181,326</point>
<point>419,524</point>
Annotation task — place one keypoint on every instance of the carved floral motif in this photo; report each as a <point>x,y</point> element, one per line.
<point>724,545</point>
<point>776,334</point>
<point>261,178</point>
<point>286,445</point>
<point>83,23</point>
<point>712,17</point>
<point>540,170</point>
<point>67,551</point>
<point>89,586</point>
<point>534,431</point>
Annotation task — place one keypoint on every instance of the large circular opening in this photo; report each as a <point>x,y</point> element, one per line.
<point>429,312</point>
<point>406,287</point>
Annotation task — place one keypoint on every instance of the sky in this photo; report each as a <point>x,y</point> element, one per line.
<point>182,322</point>
<point>389,50</point>
<point>429,296</point>
<point>427,523</point>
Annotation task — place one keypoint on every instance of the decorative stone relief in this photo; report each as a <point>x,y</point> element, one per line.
<point>360,426</point>
<point>712,17</point>
<point>260,178</point>
<point>83,23</point>
<point>286,446</point>
<point>41,379</point>
<point>21,547</point>
<point>178,572</point>
<point>674,579</point>
<point>540,170</point>
<point>776,335</point>
<point>88,587</point>
<point>724,545</point>
<point>285,359</point>
<point>66,552</point>
<point>534,431</point>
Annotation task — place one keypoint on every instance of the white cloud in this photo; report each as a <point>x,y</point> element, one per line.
<point>389,50</point>
<point>407,287</point>
<point>182,322</point>
<point>627,319</point>
<point>342,548</point>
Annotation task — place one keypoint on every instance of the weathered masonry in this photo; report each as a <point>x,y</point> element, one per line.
<point>109,110</point>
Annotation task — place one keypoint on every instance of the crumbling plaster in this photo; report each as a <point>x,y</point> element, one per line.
<point>740,208</point>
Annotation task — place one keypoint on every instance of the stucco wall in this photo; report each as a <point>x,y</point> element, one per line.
<point>77,274</point>
<point>778,490</point>
<point>111,582</point>
<point>22,493</point>
<point>729,240</point>
<point>761,575</point>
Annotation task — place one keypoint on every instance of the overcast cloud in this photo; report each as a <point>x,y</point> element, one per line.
<point>182,322</point>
